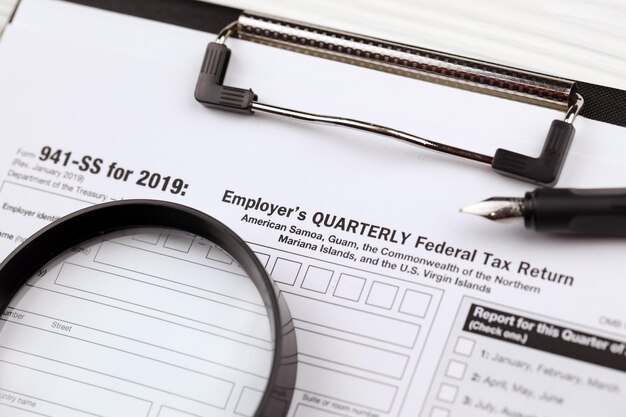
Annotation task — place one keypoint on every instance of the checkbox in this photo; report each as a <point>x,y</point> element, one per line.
<point>263,257</point>
<point>447,393</point>
<point>179,241</point>
<point>285,271</point>
<point>317,279</point>
<point>415,303</point>
<point>439,412</point>
<point>147,235</point>
<point>217,254</point>
<point>382,295</point>
<point>349,287</point>
<point>456,369</point>
<point>249,400</point>
<point>464,346</point>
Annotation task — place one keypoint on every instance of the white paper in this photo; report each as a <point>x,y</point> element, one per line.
<point>374,340</point>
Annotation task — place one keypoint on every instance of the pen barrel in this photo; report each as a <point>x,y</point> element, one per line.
<point>600,212</point>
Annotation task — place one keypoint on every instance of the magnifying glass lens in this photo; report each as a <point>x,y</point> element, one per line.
<point>132,322</point>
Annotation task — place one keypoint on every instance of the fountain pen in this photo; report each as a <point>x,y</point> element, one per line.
<point>600,212</point>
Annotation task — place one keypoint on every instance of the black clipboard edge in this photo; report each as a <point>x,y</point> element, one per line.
<point>191,14</point>
<point>604,104</point>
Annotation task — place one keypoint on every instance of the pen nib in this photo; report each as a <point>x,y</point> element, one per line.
<point>499,209</point>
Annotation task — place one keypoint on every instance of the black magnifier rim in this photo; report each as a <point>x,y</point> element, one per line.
<point>104,218</point>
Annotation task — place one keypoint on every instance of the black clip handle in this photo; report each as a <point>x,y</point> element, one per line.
<point>544,170</point>
<point>210,89</point>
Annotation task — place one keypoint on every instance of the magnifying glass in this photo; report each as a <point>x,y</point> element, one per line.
<point>137,305</point>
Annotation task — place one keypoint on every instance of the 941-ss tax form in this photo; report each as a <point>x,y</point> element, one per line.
<point>402,306</point>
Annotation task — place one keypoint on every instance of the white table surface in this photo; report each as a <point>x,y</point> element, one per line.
<point>578,39</point>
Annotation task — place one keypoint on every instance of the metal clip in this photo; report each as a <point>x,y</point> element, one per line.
<point>543,170</point>
<point>574,109</point>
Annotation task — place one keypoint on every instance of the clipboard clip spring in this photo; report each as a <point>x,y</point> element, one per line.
<point>543,170</point>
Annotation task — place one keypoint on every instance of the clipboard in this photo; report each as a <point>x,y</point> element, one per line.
<point>601,103</point>
<point>212,29</point>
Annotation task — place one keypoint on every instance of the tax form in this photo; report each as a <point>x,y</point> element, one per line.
<point>402,306</point>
